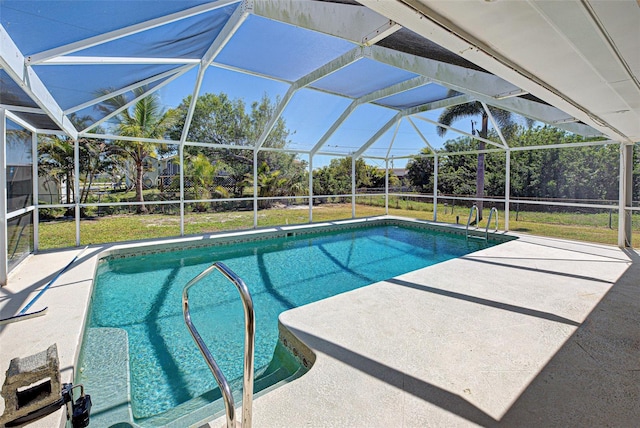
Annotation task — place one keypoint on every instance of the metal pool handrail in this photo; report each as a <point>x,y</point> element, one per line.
<point>473,207</point>
<point>249,339</point>
<point>486,232</point>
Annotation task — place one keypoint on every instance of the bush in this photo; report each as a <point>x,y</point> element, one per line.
<point>51,213</point>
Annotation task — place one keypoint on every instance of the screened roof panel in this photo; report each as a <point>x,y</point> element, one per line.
<point>96,112</point>
<point>12,94</point>
<point>358,129</point>
<point>405,40</point>
<point>308,126</point>
<point>174,92</point>
<point>418,96</point>
<point>430,131</point>
<point>362,77</point>
<point>186,38</point>
<point>35,26</point>
<point>280,50</point>
<point>247,87</point>
<point>403,142</point>
<point>72,85</point>
<point>38,121</point>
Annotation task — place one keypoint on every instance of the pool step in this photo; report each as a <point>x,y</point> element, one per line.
<point>107,376</point>
<point>283,368</point>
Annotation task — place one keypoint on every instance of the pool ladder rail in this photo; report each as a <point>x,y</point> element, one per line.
<point>486,232</point>
<point>249,318</point>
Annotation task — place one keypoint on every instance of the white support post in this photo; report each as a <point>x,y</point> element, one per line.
<point>76,187</point>
<point>626,195</point>
<point>353,186</point>
<point>435,187</point>
<point>255,188</point>
<point>34,173</point>
<point>4,256</point>
<point>181,153</point>
<point>310,188</point>
<point>507,188</point>
<point>386,186</point>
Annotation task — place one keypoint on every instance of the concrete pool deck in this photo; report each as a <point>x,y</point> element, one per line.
<point>532,332</point>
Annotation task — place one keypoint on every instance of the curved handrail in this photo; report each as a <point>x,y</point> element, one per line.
<point>249,321</point>
<point>486,232</point>
<point>469,219</point>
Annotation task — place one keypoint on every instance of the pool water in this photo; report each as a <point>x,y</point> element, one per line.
<point>142,296</point>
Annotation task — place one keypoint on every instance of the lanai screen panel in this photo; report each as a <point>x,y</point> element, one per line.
<point>280,50</point>
<point>12,94</point>
<point>358,129</point>
<point>362,77</point>
<point>311,123</point>
<point>187,38</point>
<point>72,85</point>
<point>37,26</point>
<point>98,111</point>
<point>417,96</point>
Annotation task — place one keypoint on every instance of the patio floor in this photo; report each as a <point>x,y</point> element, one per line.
<point>532,332</point>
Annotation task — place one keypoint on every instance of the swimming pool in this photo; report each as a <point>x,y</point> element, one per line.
<point>136,315</point>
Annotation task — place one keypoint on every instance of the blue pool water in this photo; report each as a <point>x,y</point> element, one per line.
<point>142,296</point>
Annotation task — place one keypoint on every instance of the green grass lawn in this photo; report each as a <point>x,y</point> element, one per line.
<point>119,228</point>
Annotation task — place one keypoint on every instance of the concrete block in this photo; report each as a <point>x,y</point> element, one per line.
<point>31,383</point>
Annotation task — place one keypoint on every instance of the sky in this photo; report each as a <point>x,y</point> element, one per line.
<point>311,113</point>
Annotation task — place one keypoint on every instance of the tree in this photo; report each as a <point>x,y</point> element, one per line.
<point>219,120</point>
<point>270,183</point>
<point>145,120</point>
<point>420,171</point>
<point>203,174</point>
<point>56,160</point>
<point>335,178</point>
<point>474,109</point>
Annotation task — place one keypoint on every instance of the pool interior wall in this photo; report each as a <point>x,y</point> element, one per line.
<point>112,347</point>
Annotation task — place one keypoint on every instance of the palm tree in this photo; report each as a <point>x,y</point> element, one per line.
<point>203,174</point>
<point>270,183</point>
<point>145,120</point>
<point>451,114</point>
<point>56,160</point>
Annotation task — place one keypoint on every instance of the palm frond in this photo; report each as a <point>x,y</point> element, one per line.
<point>454,113</point>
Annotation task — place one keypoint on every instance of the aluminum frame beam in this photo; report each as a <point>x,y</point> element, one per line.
<point>115,60</point>
<point>319,73</point>
<point>4,256</point>
<point>370,97</point>
<point>495,125</point>
<point>12,62</point>
<point>475,137</point>
<point>379,133</point>
<point>230,28</point>
<point>351,22</point>
<point>422,137</point>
